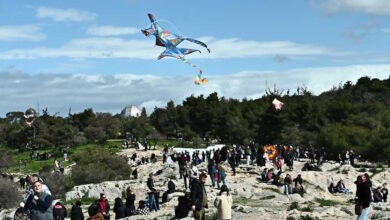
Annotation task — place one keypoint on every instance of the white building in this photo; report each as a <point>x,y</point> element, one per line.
<point>131,111</point>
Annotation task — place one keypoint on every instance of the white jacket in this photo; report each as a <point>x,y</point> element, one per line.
<point>224,204</point>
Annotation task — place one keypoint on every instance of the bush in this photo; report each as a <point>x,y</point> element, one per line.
<point>9,196</point>
<point>5,160</point>
<point>293,205</point>
<point>98,165</point>
<point>58,183</point>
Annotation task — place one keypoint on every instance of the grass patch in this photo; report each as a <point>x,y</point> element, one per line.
<point>84,201</point>
<point>346,210</point>
<point>290,218</point>
<point>377,208</point>
<point>308,208</point>
<point>325,202</point>
<point>273,190</point>
<point>334,169</point>
<point>34,166</point>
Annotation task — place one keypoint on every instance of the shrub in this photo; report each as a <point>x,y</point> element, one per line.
<point>58,183</point>
<point>5,160</point>
<point>9,196</point>
<point>293,205</point>
<point>98,165</point>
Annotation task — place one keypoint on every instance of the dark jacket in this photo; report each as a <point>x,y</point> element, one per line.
<point>76,213</point>
<point>40,209</point>
<point>130,203</point>
<point>183,208</point>
<point>363,192</point>
<point>59,212</point>
<point>120,209</point>
<point>171,186</point>
<point>197,194</point>
<point>150,184</point>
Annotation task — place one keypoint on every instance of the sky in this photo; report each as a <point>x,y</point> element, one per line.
<point>92,54</point>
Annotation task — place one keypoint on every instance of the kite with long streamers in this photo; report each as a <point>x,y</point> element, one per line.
<point>170,41</point>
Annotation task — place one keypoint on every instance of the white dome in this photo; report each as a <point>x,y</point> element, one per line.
<point>131,111</point>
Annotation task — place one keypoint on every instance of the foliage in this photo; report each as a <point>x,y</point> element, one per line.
<point>325,202</point>
<point>97,165</point>
<point>347,117</point>
<point>58,183</point>
<point>9,196</point>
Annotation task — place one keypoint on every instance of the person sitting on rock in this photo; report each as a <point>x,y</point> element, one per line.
<point>332,188</point>
<point>264,175</point>
<point>288,185</point>
<point>270,176</point>
<point>377,194</point>
<point>341,187</point>
<point>135,173</point>
<point>142,208</point>
<point>298,181</point>
<point>384,192</point>
<point>171,189</point>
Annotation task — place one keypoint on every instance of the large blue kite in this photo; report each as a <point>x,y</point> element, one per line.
<point>170,42</point>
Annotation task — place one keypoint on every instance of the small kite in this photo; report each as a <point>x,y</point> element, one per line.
<point>170,41</point>
<point>278,104</point>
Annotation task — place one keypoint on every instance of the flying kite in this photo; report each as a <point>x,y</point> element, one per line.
<point>170,41</point>
<point>278,104</point>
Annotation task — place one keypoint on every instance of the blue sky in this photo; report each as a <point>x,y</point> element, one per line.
<point>88,53</point>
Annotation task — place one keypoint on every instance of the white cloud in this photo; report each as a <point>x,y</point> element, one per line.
<point>145,49</point>
<point>111,93</point>
<point>103,31</point>
<point>65,14</point>
<point>22,33</point>
<point>368,7</point>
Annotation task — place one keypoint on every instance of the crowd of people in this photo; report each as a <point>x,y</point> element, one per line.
<point>38,202</point>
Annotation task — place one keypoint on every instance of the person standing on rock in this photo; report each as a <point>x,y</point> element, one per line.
<point>152,194</point>
<point>104,206</point>
<point>221,176</point>
<point>363,193</point>
<point>130,199</point>
<point>212,170</point>
<point>39,204</point>
<point>199,197</point>
<point>223,202</point>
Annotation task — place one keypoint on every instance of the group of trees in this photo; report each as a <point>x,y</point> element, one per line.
<point>346,117</point>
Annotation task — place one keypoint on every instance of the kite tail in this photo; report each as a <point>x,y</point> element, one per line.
<point>198,80</point>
